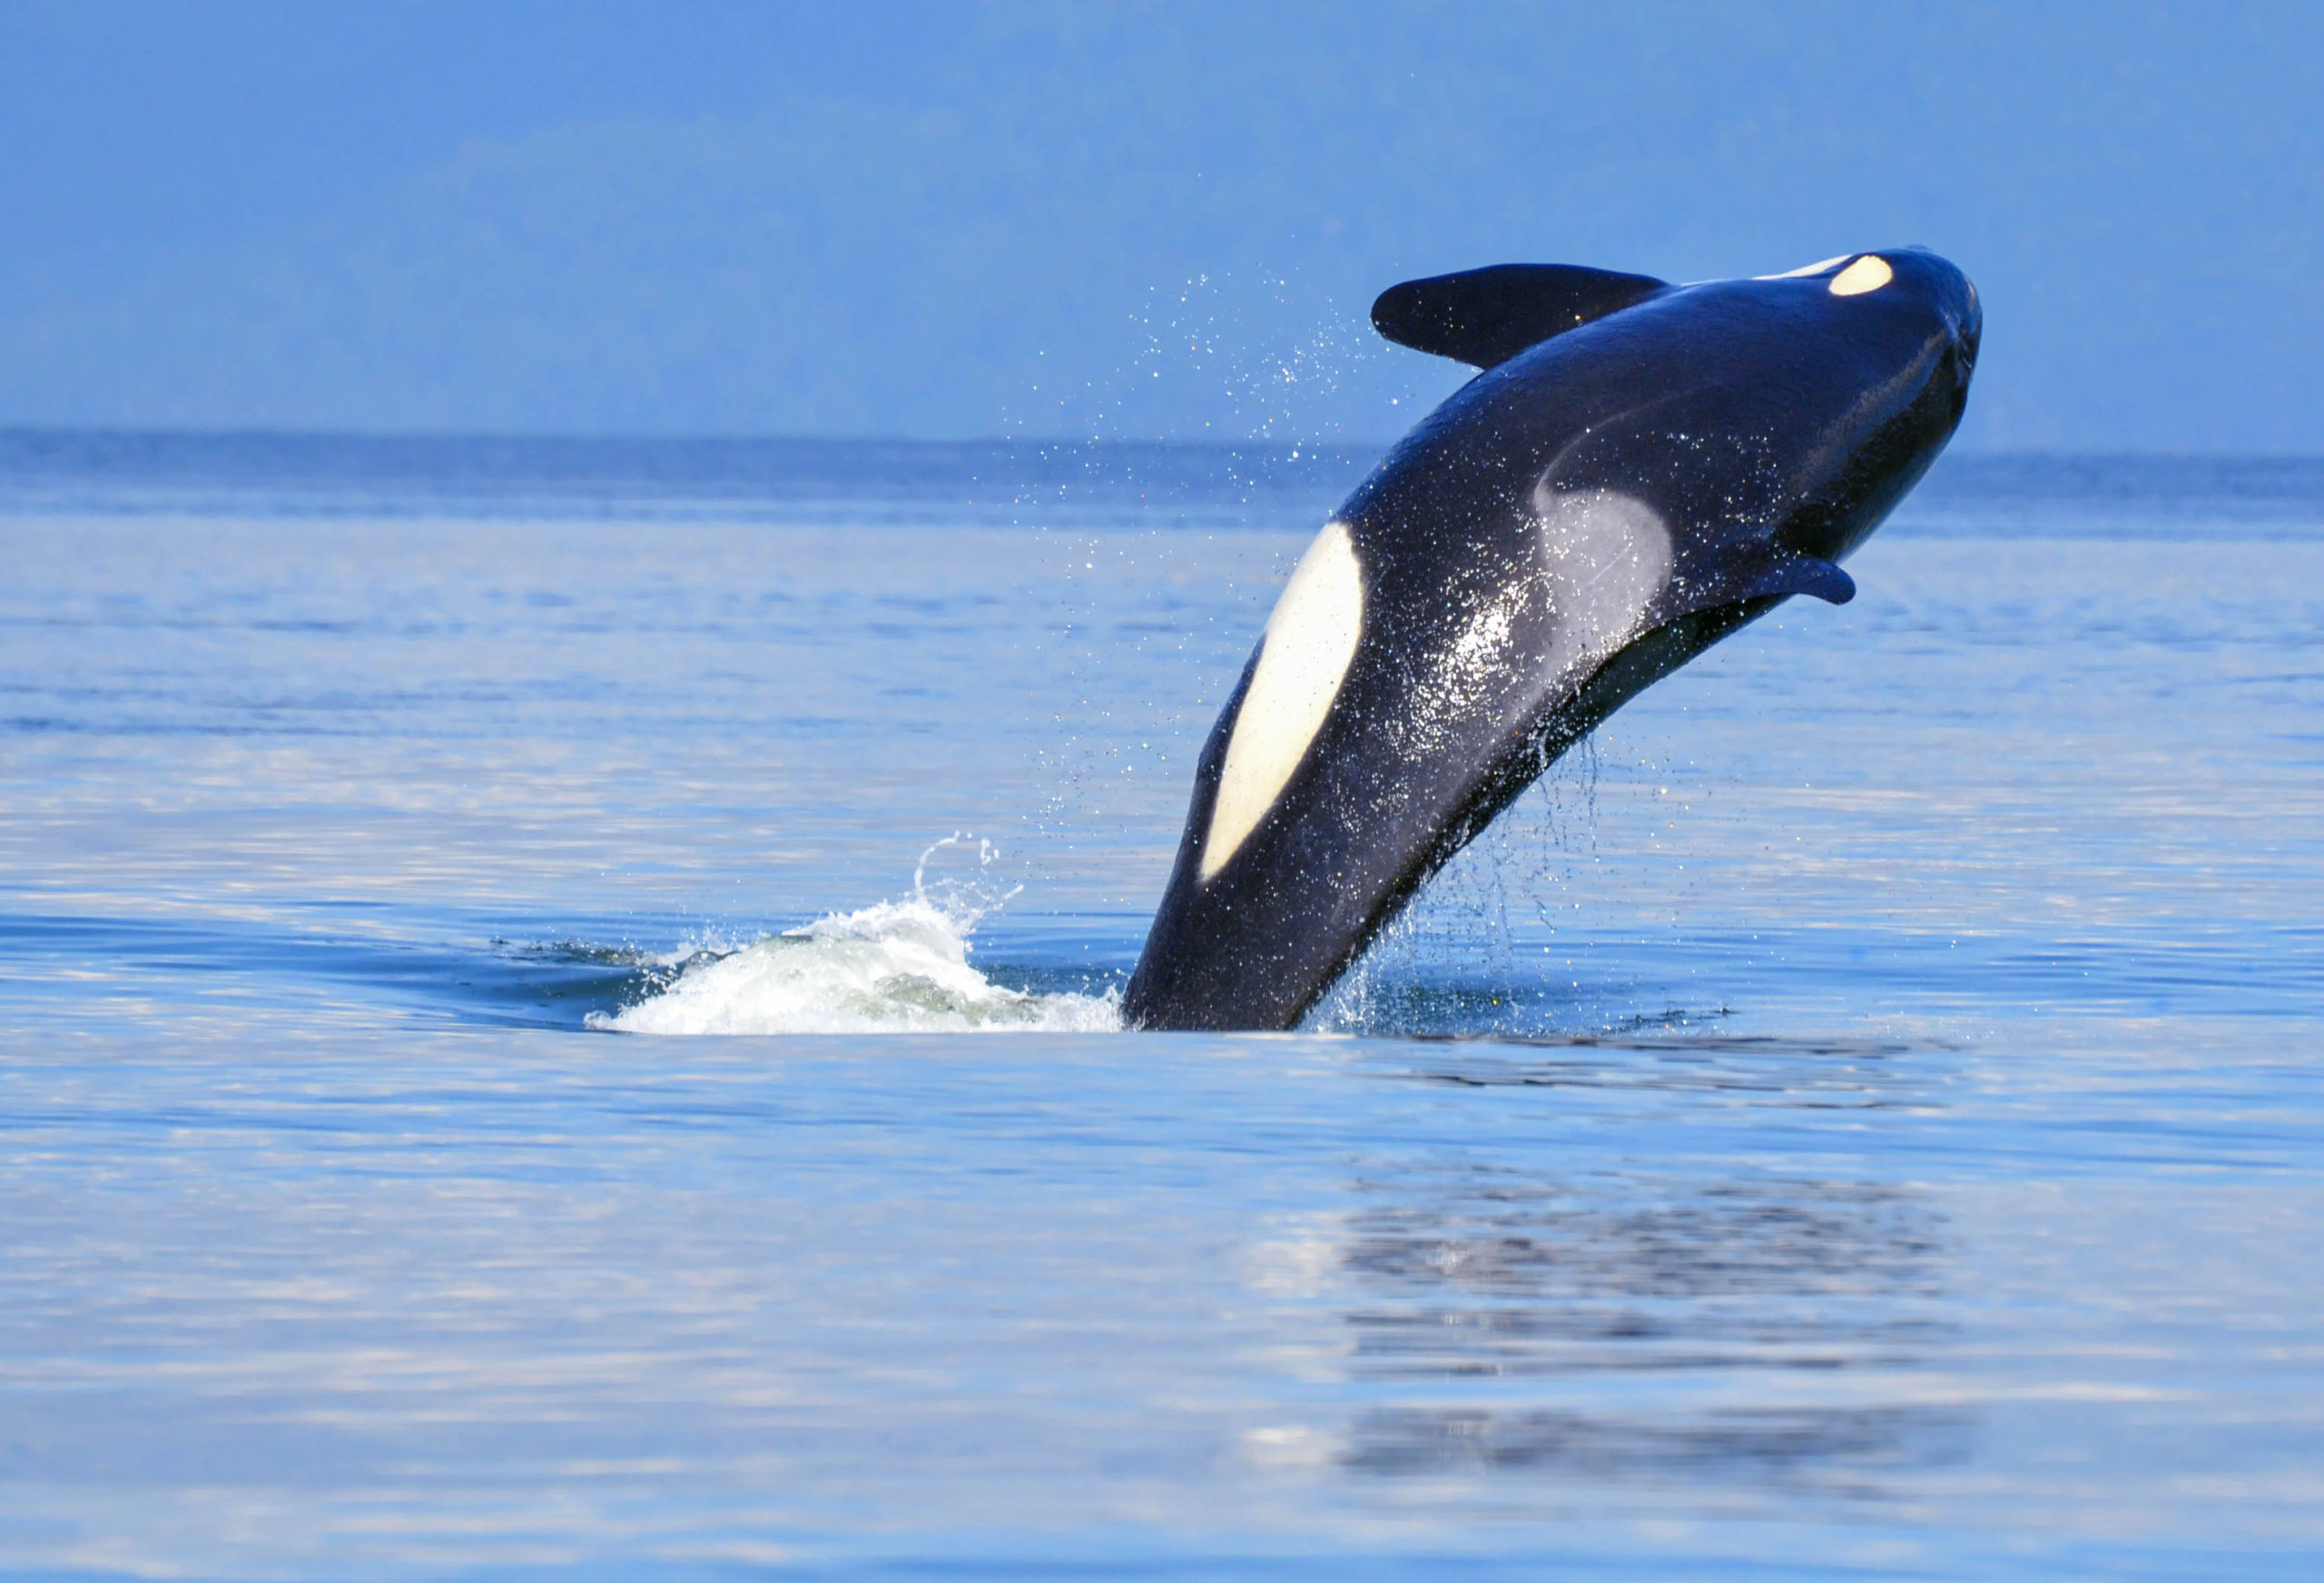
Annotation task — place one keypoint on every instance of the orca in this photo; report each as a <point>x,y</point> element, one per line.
<point>1638,470</point>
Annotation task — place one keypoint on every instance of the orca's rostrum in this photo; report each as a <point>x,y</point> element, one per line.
<point>1640,469</point>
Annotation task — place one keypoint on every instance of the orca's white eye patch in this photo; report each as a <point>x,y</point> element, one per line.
<point>1304,657</point>
<point>1868,273</point>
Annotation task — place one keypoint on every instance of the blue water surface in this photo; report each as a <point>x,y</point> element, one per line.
<point>1858,1118</point>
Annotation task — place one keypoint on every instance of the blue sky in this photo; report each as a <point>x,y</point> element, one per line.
<point>951,221</point>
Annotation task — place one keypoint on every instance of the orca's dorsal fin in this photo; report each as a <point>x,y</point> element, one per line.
<point>1488,316</point>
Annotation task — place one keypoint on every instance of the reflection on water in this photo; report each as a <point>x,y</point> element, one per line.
<point>1642,1261</point>
<point>1701,1289</point>
<point>1838,1450</point>
<point>1856,1072</point>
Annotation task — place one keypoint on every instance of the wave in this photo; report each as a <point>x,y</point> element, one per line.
<point>897,967</point>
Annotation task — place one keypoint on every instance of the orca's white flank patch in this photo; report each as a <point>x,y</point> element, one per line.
<point>1818,268</point>
<point>1607,555</point>
<point>1303,658</point>
<point>1868,273</point>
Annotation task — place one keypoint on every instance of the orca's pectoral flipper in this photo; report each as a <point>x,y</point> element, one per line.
<point>1756,571</point>
<point>1488,316</point>
<point>1798,574</point>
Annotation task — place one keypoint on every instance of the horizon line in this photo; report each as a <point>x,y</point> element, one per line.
<point>23,430</point>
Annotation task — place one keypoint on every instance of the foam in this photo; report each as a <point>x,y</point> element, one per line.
<point>898,967</point>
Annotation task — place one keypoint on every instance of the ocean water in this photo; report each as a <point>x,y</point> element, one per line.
<point>557,1002</point>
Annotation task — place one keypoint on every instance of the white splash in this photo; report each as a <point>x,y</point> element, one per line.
<point>897,967</point>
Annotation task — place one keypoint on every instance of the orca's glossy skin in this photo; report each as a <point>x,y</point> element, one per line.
<point>1591,512</point>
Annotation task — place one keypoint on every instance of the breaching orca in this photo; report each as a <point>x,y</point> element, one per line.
<point>1640,469</point>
